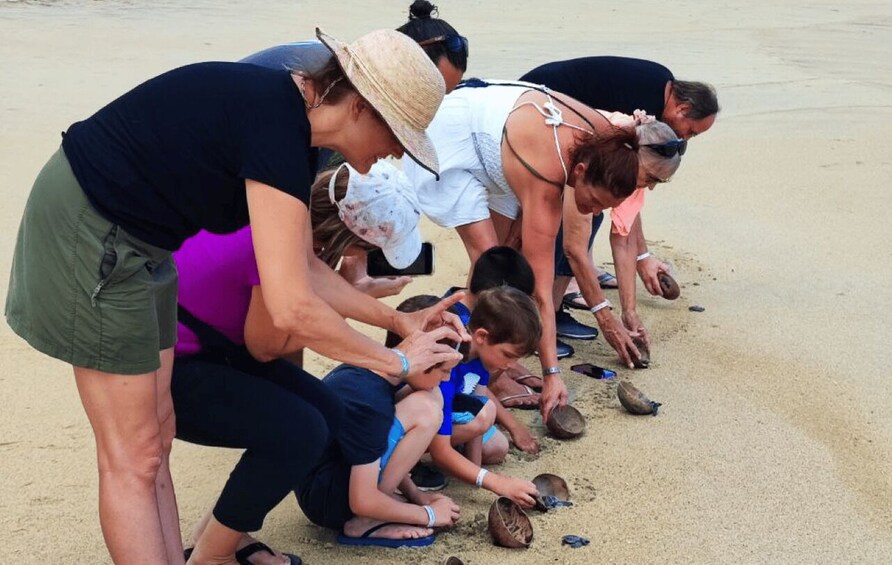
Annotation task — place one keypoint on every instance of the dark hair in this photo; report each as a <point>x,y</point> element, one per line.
<point>414,304</point>
<point>509,315</point>
<point>502,266</point>
<point>611,161</point>
<point>331,237</point>
<point>701,97</point>
<point>330,75</point>
<point>421,26</point>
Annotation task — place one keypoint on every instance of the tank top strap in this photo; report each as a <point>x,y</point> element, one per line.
<point>529,167</point>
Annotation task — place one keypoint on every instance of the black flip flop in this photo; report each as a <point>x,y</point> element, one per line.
<point>242,555</point>
<point>569,301</point>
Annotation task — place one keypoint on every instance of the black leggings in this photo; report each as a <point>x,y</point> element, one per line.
<point>278,413</point>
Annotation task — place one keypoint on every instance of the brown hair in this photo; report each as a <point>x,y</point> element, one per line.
<point>414,304</point>
<point>611,160</point>
<point>509,315</point>
<point>331,237</point>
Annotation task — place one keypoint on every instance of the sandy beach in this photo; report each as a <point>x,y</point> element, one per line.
<point>774,444</point>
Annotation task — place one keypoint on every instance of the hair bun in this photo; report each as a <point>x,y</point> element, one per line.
<point>421,10</point>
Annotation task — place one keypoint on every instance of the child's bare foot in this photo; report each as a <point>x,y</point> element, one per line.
<point>357,527</point>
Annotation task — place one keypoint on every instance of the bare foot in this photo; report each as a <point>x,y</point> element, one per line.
<point>356,526</point>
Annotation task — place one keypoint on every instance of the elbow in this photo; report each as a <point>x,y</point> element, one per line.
<point>294,319</point>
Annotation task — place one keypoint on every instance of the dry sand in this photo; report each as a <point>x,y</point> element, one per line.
<point>775,441</point>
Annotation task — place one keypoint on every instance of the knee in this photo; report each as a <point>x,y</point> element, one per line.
<point>495,449</point>
<point>423,408</point>
<point>138,457</point>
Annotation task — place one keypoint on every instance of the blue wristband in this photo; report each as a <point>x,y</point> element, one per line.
<point>404,361</point>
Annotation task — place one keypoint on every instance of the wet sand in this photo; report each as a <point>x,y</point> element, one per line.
<point>774,443</point>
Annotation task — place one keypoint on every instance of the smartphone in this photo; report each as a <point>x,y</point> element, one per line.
<point>593,371</point>
<point>423,265</point>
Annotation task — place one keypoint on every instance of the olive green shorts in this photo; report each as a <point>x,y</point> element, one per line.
<point>82,289</point>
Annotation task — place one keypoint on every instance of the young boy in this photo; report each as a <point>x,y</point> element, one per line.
<point>504,327</point>
<point>352,487</point>
<point>496,267</point>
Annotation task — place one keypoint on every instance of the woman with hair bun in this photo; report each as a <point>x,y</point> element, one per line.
<point>446,48</point>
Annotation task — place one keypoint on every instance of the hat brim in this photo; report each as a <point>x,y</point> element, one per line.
<point>415,142</point>
<point>405,252</point>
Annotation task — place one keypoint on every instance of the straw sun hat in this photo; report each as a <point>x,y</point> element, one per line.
<point>401,83</point>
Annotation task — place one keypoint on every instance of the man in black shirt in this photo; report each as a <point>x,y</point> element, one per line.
<point>623,84</point>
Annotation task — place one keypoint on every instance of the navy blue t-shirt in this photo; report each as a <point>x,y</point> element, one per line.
<point>616,84</point>
<point>368,415</point>
<point>171,156</point>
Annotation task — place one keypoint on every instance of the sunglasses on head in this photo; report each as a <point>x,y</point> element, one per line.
<point>670,148</point>
<point>454,43</point>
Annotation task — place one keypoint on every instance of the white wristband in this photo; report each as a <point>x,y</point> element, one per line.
<point>643,256</point>
<point>480,474</point>
<point>598,307</point>
<point>431,517</point>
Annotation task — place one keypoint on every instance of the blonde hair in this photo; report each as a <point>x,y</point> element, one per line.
<point>331,237</point>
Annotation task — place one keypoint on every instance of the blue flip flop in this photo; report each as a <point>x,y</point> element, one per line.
<point>366,539</point>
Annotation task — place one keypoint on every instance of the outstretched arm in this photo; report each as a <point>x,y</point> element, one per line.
<point>577,232</point>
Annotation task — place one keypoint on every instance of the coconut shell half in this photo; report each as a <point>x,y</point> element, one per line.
<point>670,288</point>
<point>509,525</point>
<point>634,400</point>
<point>566,422</point>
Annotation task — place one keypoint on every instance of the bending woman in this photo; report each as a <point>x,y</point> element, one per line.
<point>507,147</point>
<point>233,385</point>
<point>574,245</point>
<point>208,146</point>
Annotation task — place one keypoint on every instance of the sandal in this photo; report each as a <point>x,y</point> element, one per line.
<point>574,300</point>
<point>367,539</point>
<point>607,280</point>
<point>521,406</point>
<point>535,387</point>
<point>242,555</point>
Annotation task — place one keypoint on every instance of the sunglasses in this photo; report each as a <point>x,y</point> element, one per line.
<point>670,148</point>
<point>454,43</point>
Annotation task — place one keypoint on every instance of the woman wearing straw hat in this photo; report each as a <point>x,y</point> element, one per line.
<point>208,146</point>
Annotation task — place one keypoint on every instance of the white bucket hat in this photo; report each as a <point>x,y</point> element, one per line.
<point>381,208</point>
<point>401,83</point>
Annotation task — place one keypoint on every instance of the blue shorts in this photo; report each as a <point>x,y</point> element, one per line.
<point>397,432</point>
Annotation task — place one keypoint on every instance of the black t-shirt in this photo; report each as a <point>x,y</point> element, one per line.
<point>368,415</point>
<point>171,156</point>
<point>617,84</point>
